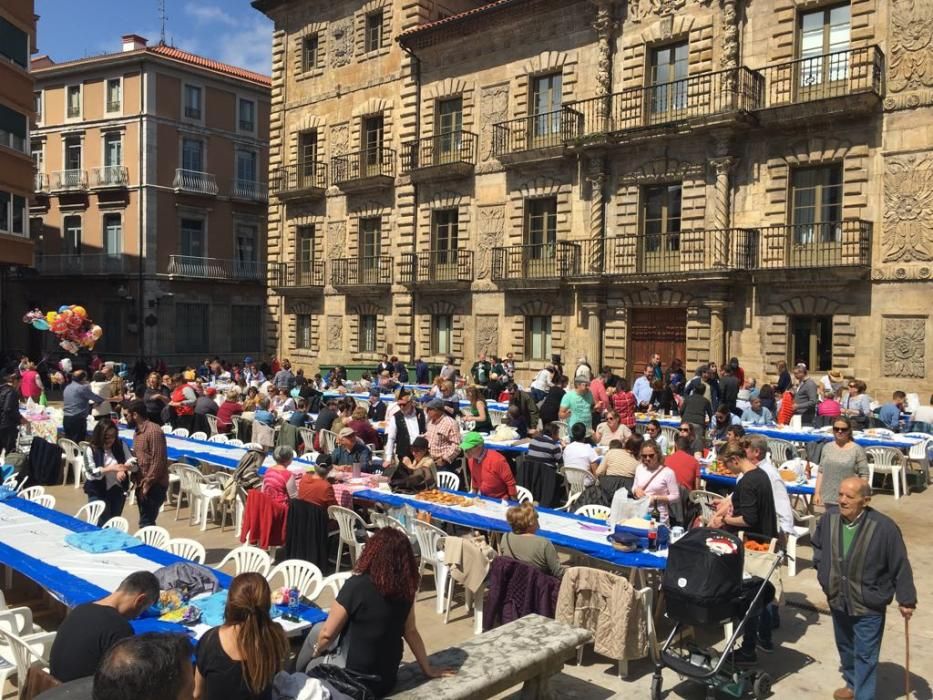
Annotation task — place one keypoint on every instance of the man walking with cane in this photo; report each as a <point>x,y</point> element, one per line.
<point>862,565</point>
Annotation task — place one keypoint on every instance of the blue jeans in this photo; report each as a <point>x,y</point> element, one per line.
<point>858,640</point>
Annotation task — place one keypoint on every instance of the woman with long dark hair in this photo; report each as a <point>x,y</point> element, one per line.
<point>106,469</point>
<point>373,612</point>
<point>239,659</point>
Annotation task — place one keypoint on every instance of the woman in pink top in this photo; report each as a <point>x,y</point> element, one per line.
<point>829,407</point>
<point>278,483</point>
<point>654,480</point>
<point>31,386</point>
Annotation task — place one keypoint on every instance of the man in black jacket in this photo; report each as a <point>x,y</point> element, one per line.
<point>861,564</point>
<point>729,390</point>
<point>9,412</point>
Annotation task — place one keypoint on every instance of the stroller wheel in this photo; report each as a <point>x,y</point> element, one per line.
<point>656,681</point>
<point>762,686</point>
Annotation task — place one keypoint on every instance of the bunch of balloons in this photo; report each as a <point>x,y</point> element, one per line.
<point>70,325</point>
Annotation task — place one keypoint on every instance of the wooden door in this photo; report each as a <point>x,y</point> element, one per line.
<point>662,331</point>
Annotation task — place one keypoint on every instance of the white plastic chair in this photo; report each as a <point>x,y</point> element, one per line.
<point>18,621</point>
<point>235,423</point>
<point>575,479</point>
<point>888,460</point>
<point>21,653</point>
<point>523,495</point>
<point>298,573</point>
<point>594,511</point>
<point>348,522</point>
<point>200,435</point>
<point>333,583</point>
<point>804,527</point>
<point>571,499</point>
<point>32,493</point>
<point>328,441</point>
<point>495,416</point>
<point>707,501</point>
<point>307,437</point>
<point>46,500</point>
<point>919,454</point>
<point>204,497</point>
<point>187,549</point>
<point>448,481</point>
<point>234,442</point>
<point>381,520</point>
<point>167,429</point>
<point>73,460</point>
<point>781,450</point>
<point>255,446</point>
<point>91,512</point>
<point>430,540</point>
<point>563,429</point>
<point>247,559</point>
<point>671,434</point>
<point>219,437</point>
<point>117,523</point>
<point>212,424</point>
<point>154,536</point>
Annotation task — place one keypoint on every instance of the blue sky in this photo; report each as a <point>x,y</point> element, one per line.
<point>225,30</point>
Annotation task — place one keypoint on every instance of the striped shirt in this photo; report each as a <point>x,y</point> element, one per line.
<point>151,454</point>
<point>443,438</point>
<point>544,449</point>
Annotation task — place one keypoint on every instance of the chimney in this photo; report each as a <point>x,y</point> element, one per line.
<point>132,42</point>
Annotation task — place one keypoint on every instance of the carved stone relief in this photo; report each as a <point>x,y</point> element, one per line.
<point>341,35</point>
<point>335,333</point>
<point>908,208</point>
<point>336,239</point>
<point>491,233</point>
<point>639,9</point>
<point>904,347</point>
<point>910,55</point>
<point>487,334</point>
<point>494,102</point>
<point>339,138</point>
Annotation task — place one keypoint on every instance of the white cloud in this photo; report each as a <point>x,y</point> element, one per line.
<point>210,14</point>
<point>250,46</point>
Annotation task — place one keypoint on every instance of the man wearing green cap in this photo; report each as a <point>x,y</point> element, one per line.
<point>490,473</point>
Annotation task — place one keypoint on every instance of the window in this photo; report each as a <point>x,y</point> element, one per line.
<point>540,224</point>
<point>667,74</point>
<point>246,166</point>
<point>372,144</point>
<point>192,328</point>
<point>367,338</point>
<point>307,158</point>
<point>38,156</point>
<point>192,238</point>
<point>6,210</point>
<point>192,102</point>
<point>445,227</point>
<point>546,105</point>
<point>374,31</point>
<point>812,341</point>
<point>14,43</point>
<point>449,128</point>
<point>816,197</point>
<point>823,45</point>
<point>310,46</point>
<point>537,337</point>
<point>660,222</point>
<point>12,213</point>
<point>247,119</point>
<point>114,95</point>
<point>304,250</point>
<point>246,328</point>
<point>113,150</point>
<point>71,241</point>
<point>303,331</point>
<point>442,339</point>
<point>37,98</point>
<point>73,153</point>
<point>113,235</point>
<point>370,235</point>
<point>73,101</point>
<point>12,129</point>
<point>245,251</point>
<point>192,154</point>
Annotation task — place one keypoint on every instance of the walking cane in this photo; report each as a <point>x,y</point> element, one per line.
<point>907,660</point>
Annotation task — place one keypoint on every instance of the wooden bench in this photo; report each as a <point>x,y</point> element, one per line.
<point>529,650</point>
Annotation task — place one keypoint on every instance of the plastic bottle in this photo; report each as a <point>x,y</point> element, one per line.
<point>43,401</point>
<point>293,602</point>
<point>653,536</point>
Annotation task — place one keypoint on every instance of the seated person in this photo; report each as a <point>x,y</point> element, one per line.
<point>545,447</point>
<point>229,408</point>
<point>490,473</point>
<point>315,488</point>
<point>890,413</point>
<point>524,545</point>
<point>363,428</point>
<point>721,421</point>
<point>377,407</point>
<point>684,464</point>
<point>516,421</point>
<point>418,472</point>
<point>351,450</point>
<point>90,629</point>
<point>580,454</point>
<point>152,666</point>
<point>326,416</point>
<point>299,417</point>
<point>263,413</point>
<point>757,414</point>
<point>612,429</point>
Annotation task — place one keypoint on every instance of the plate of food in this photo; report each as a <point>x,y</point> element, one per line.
<point>443,499</point>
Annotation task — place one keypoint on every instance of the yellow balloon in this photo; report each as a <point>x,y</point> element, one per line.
<point>51,316</point>
<point>79,311</point>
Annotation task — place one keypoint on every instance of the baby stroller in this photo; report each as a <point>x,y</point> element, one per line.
<point>704,586</point>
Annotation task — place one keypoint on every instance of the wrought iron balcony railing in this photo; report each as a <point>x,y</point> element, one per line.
<point>69,264</point>
<point>69,181</point>
<point>214,268</point>
<point>300,178</point>
<point>111,176</point>
<point>195,181</point>
<point>306,273</point>
<point>375,270</point>
<point>537,131</point>
<point>734,90</point>
<point>832,244</point>
<point>445,266</point>
<point>836,74</point>
<point>361,165</point>
<point>250,190</point>
<point>539,261</point>
<point>451,148</point>
<point>40,183</point>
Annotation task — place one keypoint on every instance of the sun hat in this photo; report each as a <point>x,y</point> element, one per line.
<point>346,433</point>
<point>835,375</point>
<point>471,440</point>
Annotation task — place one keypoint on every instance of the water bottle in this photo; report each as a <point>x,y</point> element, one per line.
<point>293,602</point>
<point>653,536</point>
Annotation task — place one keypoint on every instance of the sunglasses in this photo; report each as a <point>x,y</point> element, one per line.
<point>840,430</point>
<point>685,430</point>
<point>647,455</point>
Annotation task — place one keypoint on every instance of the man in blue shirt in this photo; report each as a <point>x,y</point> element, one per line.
<point>642,388</point>
<point>890,413</point>
<point>351,450</point>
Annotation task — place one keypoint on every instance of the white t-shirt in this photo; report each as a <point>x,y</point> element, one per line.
<point>923,414</point>
<point>785,513</point>
<point>580,455</point>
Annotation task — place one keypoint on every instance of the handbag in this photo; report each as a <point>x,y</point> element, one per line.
<point>37,682</point>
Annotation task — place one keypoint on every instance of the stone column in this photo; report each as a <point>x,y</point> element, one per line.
<point>593,311</point>
<point>596,175</point>
<point>730,51</point>
<point>603,25</point>
<point>722,211</point>
<point>717,331</point>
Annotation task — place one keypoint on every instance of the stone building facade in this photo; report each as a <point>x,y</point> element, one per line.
<point>701,178</point>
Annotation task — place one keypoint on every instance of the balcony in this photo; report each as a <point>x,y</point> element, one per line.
<point>69,181</point>
<point>444,156</point>
<point>823,86</point>
<point>535,137</point>
<point>364,271</point>
<point>705,99</point>
<point>372,169</point>
<point>195,182</point>
<point>110,176</point>
<point>825,246</point>
<point>300,181</point>
<point>214,268</point>
<point>535,263</point>
<point>296,275</point>
<point>443,267</point>
<point>114,106</point>
<point>250,191</point>
<point>40,183</point>
<point>73,265</point>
